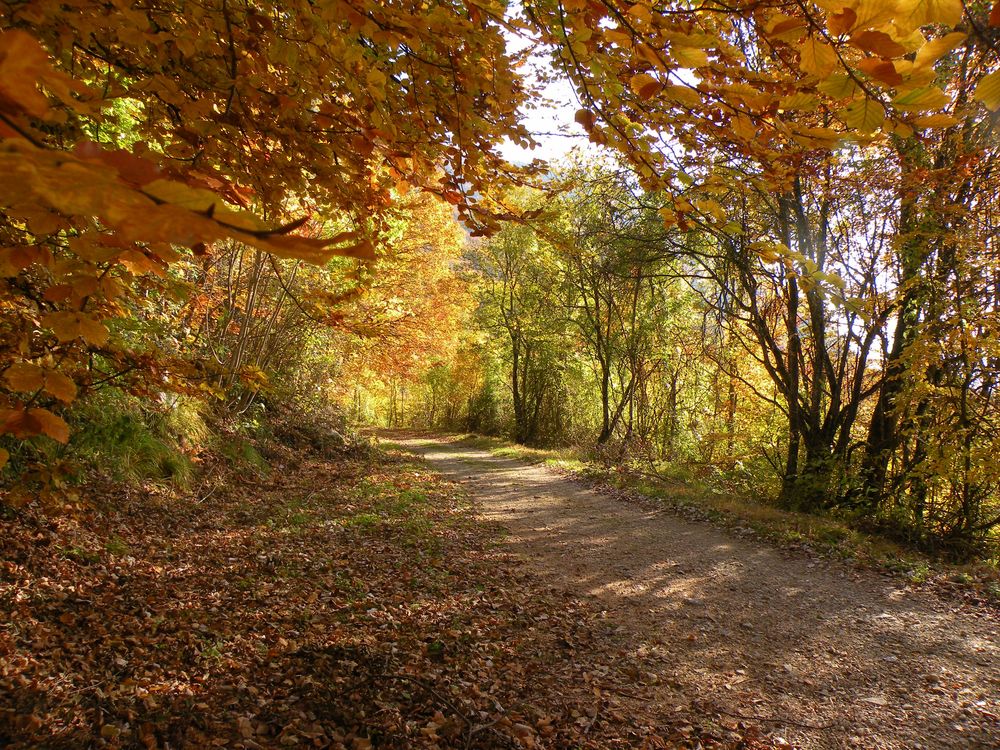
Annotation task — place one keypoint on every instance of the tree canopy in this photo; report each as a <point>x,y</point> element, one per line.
<point>798,230</point>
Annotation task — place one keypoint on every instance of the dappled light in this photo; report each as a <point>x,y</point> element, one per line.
<point>832,656</point>
<point>500,374</point>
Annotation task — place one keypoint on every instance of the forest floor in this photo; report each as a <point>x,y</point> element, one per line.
<point>341,598</point>
<point>715,622</point>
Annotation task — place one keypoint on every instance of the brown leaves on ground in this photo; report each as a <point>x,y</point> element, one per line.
<point>344,603</point>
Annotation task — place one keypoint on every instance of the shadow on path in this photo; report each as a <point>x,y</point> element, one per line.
<point>836,657</point>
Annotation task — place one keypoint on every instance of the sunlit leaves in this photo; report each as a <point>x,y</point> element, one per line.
<point>923,99</point>
<point>878,43</point>
<point>817,57</point>
<point>988,91</point>
<point>839,86</point>
<point>68,326</point>
<point>864,115</point>
<point>929,53</point>
<point>913,14</point>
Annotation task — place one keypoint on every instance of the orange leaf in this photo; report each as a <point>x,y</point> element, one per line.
<point>22,63</point>
<point>645,86</point>
<point>131,168</point>
<point>24,376</point>
<point>878,43</point>
<point>585,118</point>
<point>843,22</point>
<point>52,425</point>
<point>881,70</point>
<point>60,386</point>
<point>68,325</point>
<point>4,457</point>
<point>24,423</point>
<point>995,14</point>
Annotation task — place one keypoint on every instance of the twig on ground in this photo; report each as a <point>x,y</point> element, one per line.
<point>779,720</point>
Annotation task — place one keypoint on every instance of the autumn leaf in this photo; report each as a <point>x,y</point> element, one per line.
<point>874,13</point>
<point>60,386</point>
<point>689,57</point>
<point>878,43</point>
<point>912,14</point>
<point>935,121</point>
<point>841,23</point>
<point>933,50</point>
<point>880,70</point>
<point>585,118</point>
<point>839,86</point>
<point>864,115</point>
<point>929,97</point>
<point>817,57</point>
<point>68,325</point>
<point>24,377</point>
<point>988,91</point>
<point>24,423</point>
<point>22,63</point>
<point>645,85</point>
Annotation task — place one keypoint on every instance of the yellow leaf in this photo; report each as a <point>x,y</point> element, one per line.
<point>988,91</point>
<point>912,14</point>
<point>817,57</point>
<point>786,28</point>
<point>871,14</point>
<point>689,57</point>
<point>683,95</point>
<point>645,85</point>
<point>704,41</point>
<point>933,50</point>
<point>22,61</point>
<point>621,38</point>
<point>929,97</point>
<point>935,121</point>
<point>900,129</point>
<point>648,54</point>
<point>712,208</point>
<point>801,101</point>
<point>839,86</point>
<point>375,79</point>
<point>864,115</point>
<point>24,377</point>
<point>743,126</point>
<point>816,137</point>
<point>640,12</point>
<point>201,201</point>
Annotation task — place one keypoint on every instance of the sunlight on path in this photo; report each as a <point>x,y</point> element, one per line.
<point>825,655</point>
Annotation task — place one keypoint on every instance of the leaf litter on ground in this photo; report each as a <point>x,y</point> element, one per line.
<point>347,601</point>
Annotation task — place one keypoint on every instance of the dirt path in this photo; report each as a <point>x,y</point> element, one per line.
<point>836,657</point>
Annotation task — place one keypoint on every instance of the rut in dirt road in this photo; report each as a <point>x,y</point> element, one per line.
<point>824,655</point>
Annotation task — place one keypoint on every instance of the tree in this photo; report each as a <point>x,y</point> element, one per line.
<point>137,138</point>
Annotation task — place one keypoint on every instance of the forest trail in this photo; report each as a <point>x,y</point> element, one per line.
<point>824,655</point>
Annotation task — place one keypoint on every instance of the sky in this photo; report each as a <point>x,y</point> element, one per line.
<point>551,122</point>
